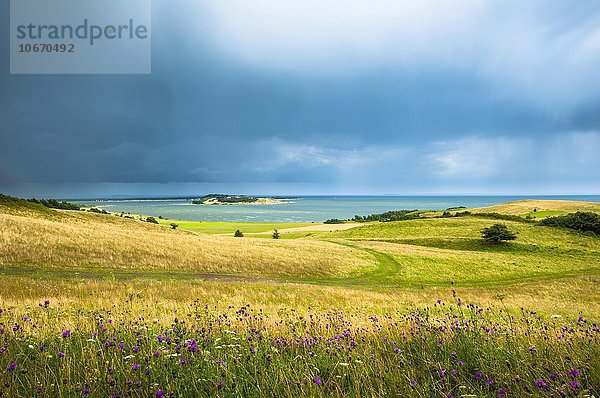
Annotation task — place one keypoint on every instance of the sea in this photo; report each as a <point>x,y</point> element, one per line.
<point>306,208</point>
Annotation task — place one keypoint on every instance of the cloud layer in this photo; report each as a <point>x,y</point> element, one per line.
<point>335,95</point>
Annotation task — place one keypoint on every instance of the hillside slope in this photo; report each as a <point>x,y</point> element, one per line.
<point>548,207</point>
<point>33,238</point>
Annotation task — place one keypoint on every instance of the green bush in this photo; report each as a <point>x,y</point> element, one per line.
<point>580,221</point>
<point>334,221</point>
<point>497,233</point>
<point>395,215</point>
<point>276,234</point>
<point>99,211</point>
<point>55,204</point>
<point>238,234</point>
<point>151,220</point>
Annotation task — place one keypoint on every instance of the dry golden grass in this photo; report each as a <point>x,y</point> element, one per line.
<point>522,207</point>
<point>162,297</point>
<point>90,241</point>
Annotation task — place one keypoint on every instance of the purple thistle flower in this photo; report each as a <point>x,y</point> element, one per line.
<point>502,392</point>
<point>12,366</point>
<point>478,375</point>
<point>318,381</point>
<point>540,383</point>
<point>575,384</point>
<point>532,349</point>
<point>136,348</point>
<point>156,353</point>
<point>574,373</point>
<point>66,334</point>
<point>135,366</point>
<point>441,372</point>
<point>85,390</point>
<point>490,381</point>
<point>60,354</point>
<point>159,393</point>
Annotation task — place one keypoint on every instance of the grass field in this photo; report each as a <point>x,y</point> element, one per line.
<point>214,227</point>
<point>554,207</point>
<point>100,305</point>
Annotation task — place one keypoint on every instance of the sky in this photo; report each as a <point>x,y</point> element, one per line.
<point>321,97</point>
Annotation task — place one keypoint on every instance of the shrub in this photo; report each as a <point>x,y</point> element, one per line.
<point>97,210</point>
<point>151,220</point>
<point>276,234</point>
<point>396,215</point>
<point>580,221</point>
<point>497,233</point>
<point>334,221</point>
<point>238,234</point>
<point>173,225</point>
<point>55,204</point>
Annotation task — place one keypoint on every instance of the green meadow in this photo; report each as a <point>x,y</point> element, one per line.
<point>215,227</point>
<point>102,305</point>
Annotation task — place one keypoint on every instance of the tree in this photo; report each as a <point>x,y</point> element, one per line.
<point>238,234</point>
<point>173,225</point>
<point>151,220</point>
<point>276,234</point>
<point>497,233</point>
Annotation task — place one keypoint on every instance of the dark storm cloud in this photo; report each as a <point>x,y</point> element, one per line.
<point>473,96</point>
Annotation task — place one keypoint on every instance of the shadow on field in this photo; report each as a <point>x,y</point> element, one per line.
<point>470,244</point>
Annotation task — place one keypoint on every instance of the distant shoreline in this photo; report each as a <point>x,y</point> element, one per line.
<point>576,197</point>
<point>257,202</point>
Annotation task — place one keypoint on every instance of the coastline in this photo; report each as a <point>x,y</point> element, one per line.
<point>258,201</point>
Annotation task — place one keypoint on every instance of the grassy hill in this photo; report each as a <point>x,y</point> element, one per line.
<point>543,208</point>
<point>36,238</point>
<point>100,305</point>
<point>389,257</point>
